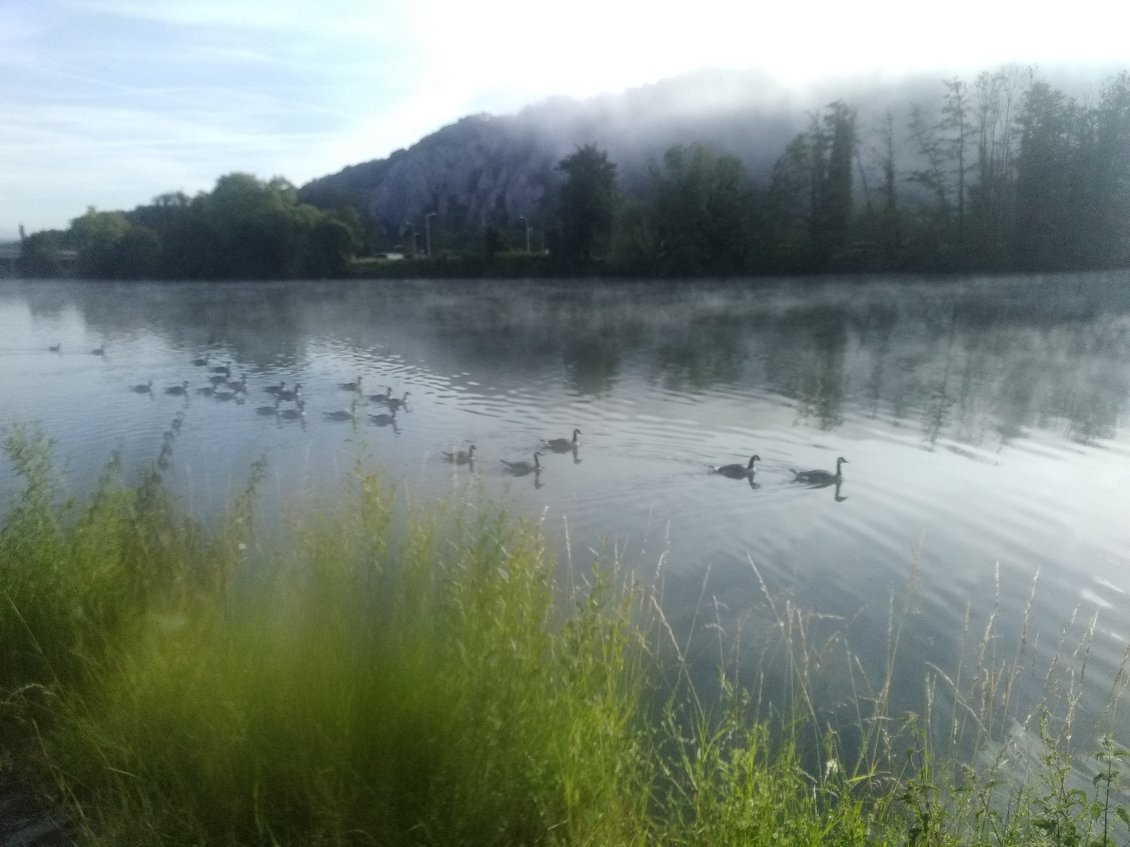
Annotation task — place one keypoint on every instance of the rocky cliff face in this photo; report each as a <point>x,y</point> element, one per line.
<point>496,169</point>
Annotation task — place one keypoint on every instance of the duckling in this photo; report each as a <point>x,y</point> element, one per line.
<point>144,388</point>
<point>523,468</point>
<point>178,390</point>
<point>563,445</point>
<point>461,457</point>
<point>820,478</point>
<point>737,471</point>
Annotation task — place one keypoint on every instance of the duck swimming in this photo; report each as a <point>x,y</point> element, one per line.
<point>563,445</point>
<point>523,468</point>
<point>461,457</point>
<point>736,471</point>
<point>818,477</point>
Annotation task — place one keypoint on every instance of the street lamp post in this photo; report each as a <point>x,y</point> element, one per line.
<point>428,231</point>
<point>526,221</point>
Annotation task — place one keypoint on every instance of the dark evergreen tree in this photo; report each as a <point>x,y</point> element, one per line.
<point>1105,209</point>
<point>810,198</point>
<point>1046,193</point>
<point>834,208</point>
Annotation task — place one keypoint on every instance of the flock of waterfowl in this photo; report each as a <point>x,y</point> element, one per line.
<point>289,403</point>
<point>223,387</point>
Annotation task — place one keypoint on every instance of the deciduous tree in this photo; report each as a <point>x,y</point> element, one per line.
<point>587,202</point>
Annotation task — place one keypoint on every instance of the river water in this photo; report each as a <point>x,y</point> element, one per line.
<point>983,421</point>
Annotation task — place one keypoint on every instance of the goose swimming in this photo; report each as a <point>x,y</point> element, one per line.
<point>563,445</point>
<point>736,471</point>
<point>299,411</point>
<point>201,361</point>
<point>523,468</point>
<point>223,369</point>
<point>461,457</point>
<point>56,347</point>
<point>384,419</point>
<point>276,389</point>
<point>291,393</point>
<point>99,351</point>
<point>394,403</point>
<point>350,386</point>
<point>819,477</point>
<point>339,415</point>
<point>381,398</point>
<point>178,390</point>
<point>144,388</point>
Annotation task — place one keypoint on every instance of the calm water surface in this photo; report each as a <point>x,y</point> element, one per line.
<point>984,424</point>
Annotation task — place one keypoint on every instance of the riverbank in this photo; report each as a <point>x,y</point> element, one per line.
<point>379,672</point>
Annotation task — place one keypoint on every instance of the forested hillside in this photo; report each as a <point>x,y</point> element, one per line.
<point>719,173</point>
<point>1000,171</point>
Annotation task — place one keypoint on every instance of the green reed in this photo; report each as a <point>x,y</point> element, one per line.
<point>375,672</point>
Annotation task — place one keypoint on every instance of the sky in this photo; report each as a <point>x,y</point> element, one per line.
<point>109,103</point>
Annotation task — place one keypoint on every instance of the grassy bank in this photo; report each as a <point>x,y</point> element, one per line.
<point>381,674</point>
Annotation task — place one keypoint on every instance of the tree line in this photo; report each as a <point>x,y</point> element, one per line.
<point>245,228</point>
<point>1007,173</point>
<point>1010,174</point>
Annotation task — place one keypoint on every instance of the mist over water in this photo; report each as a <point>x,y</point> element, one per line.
<point>983,422</point>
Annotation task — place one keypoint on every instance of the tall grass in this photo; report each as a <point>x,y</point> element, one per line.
<point>374,673</point>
